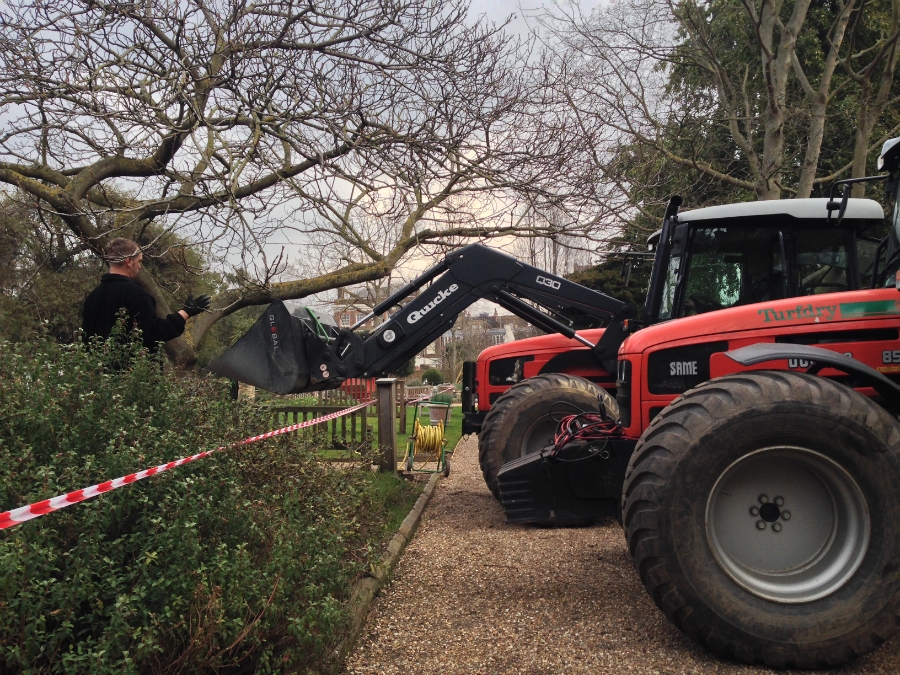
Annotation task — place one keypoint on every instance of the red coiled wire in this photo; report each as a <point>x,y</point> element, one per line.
<point>592,426</point>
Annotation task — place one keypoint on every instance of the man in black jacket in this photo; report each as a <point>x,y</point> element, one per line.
<point>119,290</point>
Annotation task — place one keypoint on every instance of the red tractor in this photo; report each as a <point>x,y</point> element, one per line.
<point>748,440</point>
<point>716,258</point>
<point>733,420</point>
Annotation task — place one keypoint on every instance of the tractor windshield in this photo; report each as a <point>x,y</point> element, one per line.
<point>740,265</point>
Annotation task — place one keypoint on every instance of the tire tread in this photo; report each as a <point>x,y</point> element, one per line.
<point>653,465</point>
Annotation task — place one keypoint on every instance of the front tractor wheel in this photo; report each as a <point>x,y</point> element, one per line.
<point>762,513</point>
<point>523,420</point>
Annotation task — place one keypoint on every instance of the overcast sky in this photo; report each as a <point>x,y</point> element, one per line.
<point>498,11</point>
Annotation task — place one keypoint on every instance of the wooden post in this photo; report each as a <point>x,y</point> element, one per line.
<point>401,405</point>
<point>367,431</point>
<point>386,403</point>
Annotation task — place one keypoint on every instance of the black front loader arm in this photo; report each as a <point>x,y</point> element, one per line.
<point>280,353</point>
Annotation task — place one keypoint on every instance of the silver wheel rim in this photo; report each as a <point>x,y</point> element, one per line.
<point>538,436</point>
<point>788,524</point>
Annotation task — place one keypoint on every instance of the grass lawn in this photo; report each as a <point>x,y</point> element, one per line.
<point>452,433</point>
<point>403,499</point>
<point>398,496</point>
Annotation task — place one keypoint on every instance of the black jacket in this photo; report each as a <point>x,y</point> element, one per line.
<point>115,292</point>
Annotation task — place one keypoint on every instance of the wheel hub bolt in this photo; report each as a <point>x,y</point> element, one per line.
<point>776,527</point>
<point>769,511</point>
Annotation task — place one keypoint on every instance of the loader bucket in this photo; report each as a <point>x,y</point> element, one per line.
<point>271,355</point>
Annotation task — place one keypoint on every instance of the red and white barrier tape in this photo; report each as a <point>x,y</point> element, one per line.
<point>25,513</point>
<point>428,396</point>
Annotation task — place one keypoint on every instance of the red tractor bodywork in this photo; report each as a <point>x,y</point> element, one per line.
<point>496,370</point>
<point>863,324</point>
<point>684,353</point>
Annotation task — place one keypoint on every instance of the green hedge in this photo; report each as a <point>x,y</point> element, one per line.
<point>240,562</point>
<point>433,376</point>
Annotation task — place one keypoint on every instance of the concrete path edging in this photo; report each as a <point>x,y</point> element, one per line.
<point>367,588</point>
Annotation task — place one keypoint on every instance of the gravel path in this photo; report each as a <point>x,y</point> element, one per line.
<point>475,595</point>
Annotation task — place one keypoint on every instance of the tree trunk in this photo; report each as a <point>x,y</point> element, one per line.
<point>180,350</point>
<point>861,144</point>
<point>819,100</point>
<point>769,180</point>
<point>813,147</point>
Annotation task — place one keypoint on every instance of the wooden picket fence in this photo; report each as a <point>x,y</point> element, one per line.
<point>350,434</point>
<point>413,393</point>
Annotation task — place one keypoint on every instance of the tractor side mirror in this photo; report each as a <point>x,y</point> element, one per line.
<point>679,240</point>
<point>627,269</point>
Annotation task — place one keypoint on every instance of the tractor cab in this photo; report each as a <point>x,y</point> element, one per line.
<point>739,254</point>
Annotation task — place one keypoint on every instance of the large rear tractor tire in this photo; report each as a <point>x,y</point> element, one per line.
<point>523,420</point>
<point>763,514</point>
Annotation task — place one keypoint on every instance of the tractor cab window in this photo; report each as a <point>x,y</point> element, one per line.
<point>732,266</point>
<point>667,304</point>
<point>821,262</point>
<point>866,248</point>
<point>742,265</point>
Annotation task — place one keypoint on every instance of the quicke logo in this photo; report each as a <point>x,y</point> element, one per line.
<point>441,296</point>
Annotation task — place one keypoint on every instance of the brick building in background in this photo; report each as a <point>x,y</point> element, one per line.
<point>352,305</point>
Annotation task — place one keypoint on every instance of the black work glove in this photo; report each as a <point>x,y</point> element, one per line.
<point>194,306</point>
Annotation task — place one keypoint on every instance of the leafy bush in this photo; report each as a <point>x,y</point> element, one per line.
<point>405,369</point>
<point>236,563</point>
<point>433,376</point>
<point>443,397</point>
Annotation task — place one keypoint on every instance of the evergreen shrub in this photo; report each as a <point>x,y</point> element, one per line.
<point>433,376</point>
<point>240,562</point>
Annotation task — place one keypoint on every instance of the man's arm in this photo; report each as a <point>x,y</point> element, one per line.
<point>155,329</point>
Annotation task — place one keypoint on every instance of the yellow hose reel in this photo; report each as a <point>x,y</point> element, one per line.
<point>427,441</point>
